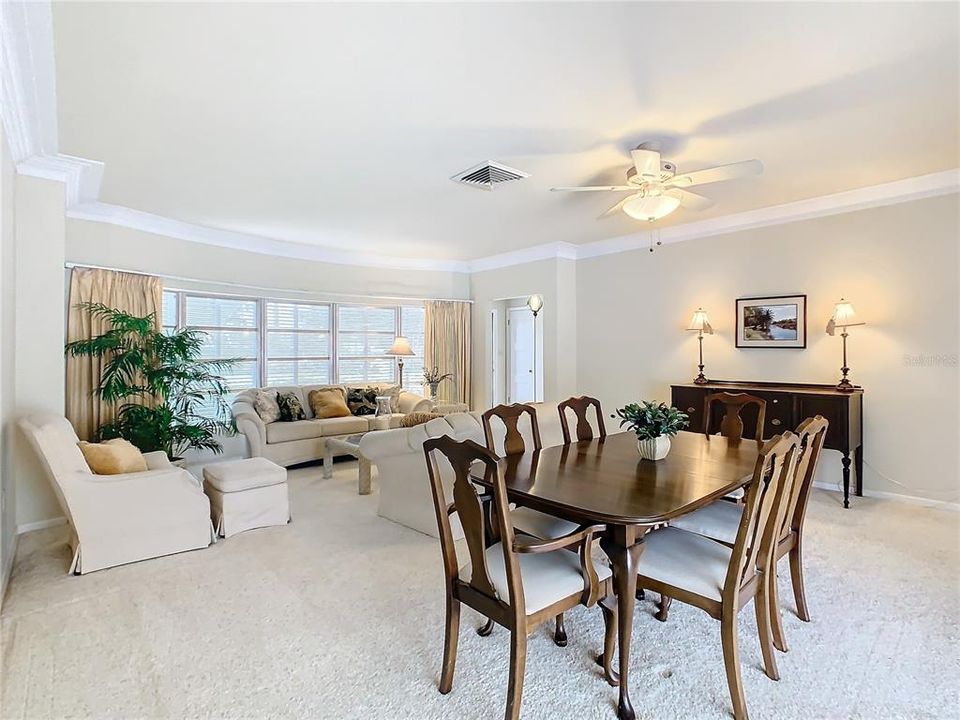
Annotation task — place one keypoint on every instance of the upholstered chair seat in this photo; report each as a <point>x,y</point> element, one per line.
<point>685,560</point>
<point>719,520</point>
<point>546,578</point>
<point>541,525</point>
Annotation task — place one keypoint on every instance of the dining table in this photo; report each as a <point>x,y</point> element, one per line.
<point>605,482</point>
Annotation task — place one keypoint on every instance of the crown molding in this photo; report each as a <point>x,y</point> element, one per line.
<point>547,251</point>
<point>28,96</point>
<point>157,225</point>
<point>81,177</point>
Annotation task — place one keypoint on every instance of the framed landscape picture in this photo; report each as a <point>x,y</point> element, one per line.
<point>779,321</point>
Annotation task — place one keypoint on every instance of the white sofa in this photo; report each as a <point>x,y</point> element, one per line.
<point>402,468</point>
<point>119,519</point>
<point>289,443</point>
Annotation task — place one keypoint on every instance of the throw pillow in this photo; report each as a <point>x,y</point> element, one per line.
<point>362,401</point>
<point>113,457</point>
<point>328,403</point>
<point>393,392</point>
<point>418,418</point>
<point>266,406</point>
<point>291,408</point>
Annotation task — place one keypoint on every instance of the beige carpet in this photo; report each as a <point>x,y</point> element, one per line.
<point>339,615</point>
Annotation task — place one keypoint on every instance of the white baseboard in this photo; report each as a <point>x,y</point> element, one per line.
<point>881,495</point>
<point>40,525</point>
<point>7,569</point>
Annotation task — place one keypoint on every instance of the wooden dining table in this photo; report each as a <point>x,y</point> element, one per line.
<point>604,481</point>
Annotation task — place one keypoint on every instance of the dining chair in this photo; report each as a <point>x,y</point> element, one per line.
<point>720,521</point>
<point>719,579</point>
<point>731,424</point>
<point>517,581</point>
<point>526,520</point>
<point>580,407</point>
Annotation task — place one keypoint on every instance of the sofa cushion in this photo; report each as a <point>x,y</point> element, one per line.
<point>279,432</point>
<point>343,425</point>
<point>328,403</point>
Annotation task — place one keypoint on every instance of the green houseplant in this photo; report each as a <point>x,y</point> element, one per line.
<point>654,424</point>
<point>160,382</point>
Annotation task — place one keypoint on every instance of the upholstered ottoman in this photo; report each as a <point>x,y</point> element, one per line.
<point>246,494</point>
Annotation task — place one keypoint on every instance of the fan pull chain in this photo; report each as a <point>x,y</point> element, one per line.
<point>658,241</point>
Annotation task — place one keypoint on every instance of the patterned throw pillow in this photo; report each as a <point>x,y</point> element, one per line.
<point>393,393</point>
<point>267,407</point>
<point>418,418</point>
<point>291,408</point>
<point>362,401</point>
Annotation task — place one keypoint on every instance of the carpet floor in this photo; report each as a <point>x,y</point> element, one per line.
<point>340,615</point>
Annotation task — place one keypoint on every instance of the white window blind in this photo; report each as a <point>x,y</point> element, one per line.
<point>298,343</point>
<point>411,325</point>
<point>232,328</point>
<point>364,334</point>
<point>168,314</point>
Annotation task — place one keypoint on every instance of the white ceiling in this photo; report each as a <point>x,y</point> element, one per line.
<point>339,125</point>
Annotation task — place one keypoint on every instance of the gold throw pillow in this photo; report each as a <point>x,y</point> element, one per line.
<point>113,457</point>
<point>328,403</point>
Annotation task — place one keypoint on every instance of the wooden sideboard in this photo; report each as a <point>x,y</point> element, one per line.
<point>789,404</point>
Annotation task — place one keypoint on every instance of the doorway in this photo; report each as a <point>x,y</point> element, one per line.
<point>516,352</point>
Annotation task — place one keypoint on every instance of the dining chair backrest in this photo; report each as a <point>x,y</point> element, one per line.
<point>812,435</point>
<point>580,406</point>
<point>731,424</point>
<point>510,415</point>
<point>463,457</point>
<point>774,465</point>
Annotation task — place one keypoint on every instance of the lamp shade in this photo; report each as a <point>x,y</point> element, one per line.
<point>652,207</point>
<point>535,303</point>
<point>700,322</point>
<point>400,348</point>
<point>843,316</point>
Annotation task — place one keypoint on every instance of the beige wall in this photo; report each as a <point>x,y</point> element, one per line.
<point>119,247</point>
<point>8,518</point>
<point>897,264</point>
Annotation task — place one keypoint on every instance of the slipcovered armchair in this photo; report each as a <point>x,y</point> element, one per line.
<point>119,519</point>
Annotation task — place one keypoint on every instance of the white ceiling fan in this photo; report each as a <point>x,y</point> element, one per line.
<point>656,188</point>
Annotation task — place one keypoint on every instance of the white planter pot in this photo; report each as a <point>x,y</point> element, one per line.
<point>655,449</point>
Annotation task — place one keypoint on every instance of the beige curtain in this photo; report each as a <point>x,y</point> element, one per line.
<point>447,345</point>
<point>136,294</point>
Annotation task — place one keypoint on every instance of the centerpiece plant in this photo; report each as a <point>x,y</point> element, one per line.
<point>169,398</point>
<point>433,377</point>
<point>654,424</point>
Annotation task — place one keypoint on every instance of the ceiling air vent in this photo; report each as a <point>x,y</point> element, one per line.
<point>489,175</point>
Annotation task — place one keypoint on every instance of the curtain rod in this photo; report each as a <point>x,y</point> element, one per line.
<point>261,288</point>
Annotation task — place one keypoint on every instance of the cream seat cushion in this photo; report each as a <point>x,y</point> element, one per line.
<point>541,525</point>
<point>238,475</point>
<point>343,425</point>
<point>546,577</point>
<point>279,432</point>
<point>685,560</point>
<point>719,520</point>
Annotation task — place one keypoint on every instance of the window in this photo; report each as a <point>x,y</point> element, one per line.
<point>298,343</point>
<point>169,312</point>
<point>364,334</point>
<point>232,329</point>
<point>285,342</point>
<point>411,325</point>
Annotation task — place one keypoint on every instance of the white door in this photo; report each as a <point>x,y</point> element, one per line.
<point>520,356</point>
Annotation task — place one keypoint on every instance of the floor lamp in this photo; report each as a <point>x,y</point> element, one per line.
<point>535,303</point>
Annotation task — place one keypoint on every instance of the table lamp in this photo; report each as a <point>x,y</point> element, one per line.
<point>844,316</point>
<point>400,349</point>
<point>701,324</point>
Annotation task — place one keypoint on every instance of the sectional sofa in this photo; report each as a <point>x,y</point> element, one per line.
<point>289,443</point>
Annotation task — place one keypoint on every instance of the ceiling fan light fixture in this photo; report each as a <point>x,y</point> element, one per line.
<point>652,207</point>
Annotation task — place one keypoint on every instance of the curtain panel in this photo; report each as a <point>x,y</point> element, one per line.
<point>136,294</point>
<point>446,345</point>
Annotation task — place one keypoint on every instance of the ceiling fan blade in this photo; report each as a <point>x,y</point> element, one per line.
<point>615,209</point>
<point>717,174</point>
<point>647,162</point>
<point>692,200</point>
<point>596,188</point>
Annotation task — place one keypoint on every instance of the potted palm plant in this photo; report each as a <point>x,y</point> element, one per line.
<point>169,398</point>
<point>654,424</point>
